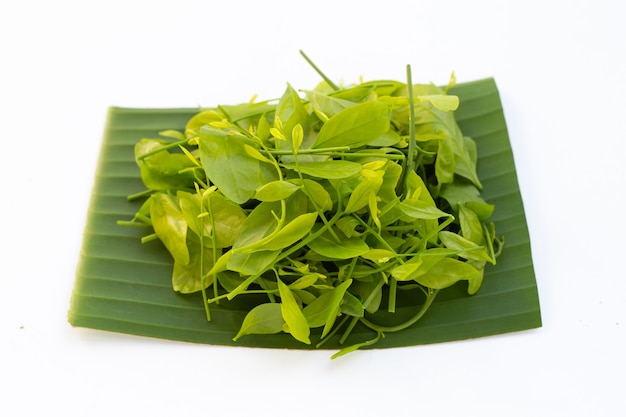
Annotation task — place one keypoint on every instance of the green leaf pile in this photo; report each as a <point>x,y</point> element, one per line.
<point>340,217</point>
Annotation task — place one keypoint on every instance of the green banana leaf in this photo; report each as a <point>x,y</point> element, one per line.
<point>125,286</point>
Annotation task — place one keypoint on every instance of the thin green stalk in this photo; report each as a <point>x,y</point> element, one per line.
<point>139,195</point>
<point>132,223</point>
<point>269,292</point>
<point>351,269</point>
<point>215,245</point>
<point>162,148</point>
<point>393,291</point>
<point>424,241</point>
<point>202,276</point>
<point>308,151</point>
<point>393,157</point>
<point>412,141</point>
<point>324,77</point>
<point>389,329</point>
<point>348,330</point>
<point>149,238</point>
<point>333,331</point>
<point>352,348</point>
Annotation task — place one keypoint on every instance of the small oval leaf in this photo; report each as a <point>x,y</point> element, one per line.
<point>263,319</point>
<point>275,191</point>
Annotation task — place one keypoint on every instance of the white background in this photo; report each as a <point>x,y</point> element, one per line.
<point>560,69</point>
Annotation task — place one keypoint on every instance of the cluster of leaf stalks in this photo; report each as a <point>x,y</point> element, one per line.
<point>325,200</point>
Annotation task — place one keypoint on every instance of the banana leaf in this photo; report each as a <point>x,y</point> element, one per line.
<point>124,286</point>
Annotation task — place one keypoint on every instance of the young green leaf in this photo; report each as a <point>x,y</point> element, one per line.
<point>466,194</point>
<point>348,248</point>
<point>418,209</point>
<point>297,136</point>
<point>163,170</point>
<point>351,306</point>
<point>292,314</point>
<point>467,249</point>
<point>275,191</point>
<point>170,226</point>
<point>186,278</point>
<point>201,119</point>
<point>227,164</point>
<point>471,226</point>
<point>359,198</point>
<point>286,236</point>
<point>221,213</point>
<point>251,263</point>
<point>263,319</point>
<point>447,272</point>
<point>441,101</point>
<point>379,256</point>
<point>324,310</point>
<point>355,126</point>
<point>328,106</point>
<point>420,264</point>
<point>254,152</point>
<point>316,192</point>
<point>304,281</point>
<point>328,169</point>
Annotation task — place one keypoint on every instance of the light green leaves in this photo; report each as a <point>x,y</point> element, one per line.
<point>275,191</point>
<point>296,323</point>
<point>435,269</point>
<point>447,272</point>
<point>321,210</point>
<point>297,136</point>
<point>355,126</point>
<point>227,164</point>
<point>216,217</point>
<point>441,101</point>
<point>364,191</point>
<point>263,319</point>
<point>170,226</point>
<point>162,170</point>
<point>284,236</point>
<point>185,277</point>
<point>347,248</point>
<point>418,209</point>
<point>327,169</point>
<point>325,309</point>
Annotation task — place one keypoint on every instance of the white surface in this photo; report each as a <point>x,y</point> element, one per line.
<point>560,69</point>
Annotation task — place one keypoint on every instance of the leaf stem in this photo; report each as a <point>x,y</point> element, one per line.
<point>132,223</point>
<point>139,195</point>
<point>309,151</point>
<point>149,238</point>
<point>202,276</point>
<point>393,157</point>
<point>162,148</point>
<point>357,346</point>
<point>412,141</point>
<point>389,329</point>
<point>333,331</point>
<point>393,291</point>
<point>345,334</point>
<point>215,245</point>
<point>328,80</point>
